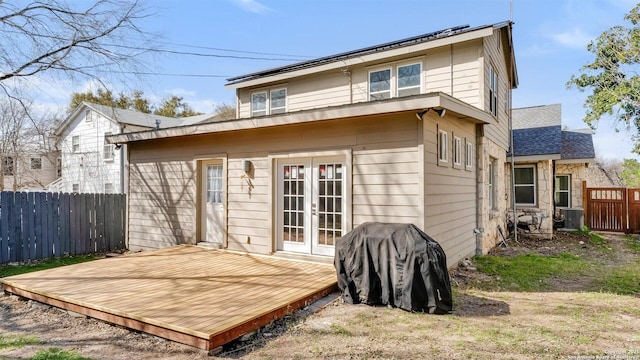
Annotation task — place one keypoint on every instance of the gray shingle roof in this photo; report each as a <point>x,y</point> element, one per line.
<point>537,130</point>
<point>537,141</point>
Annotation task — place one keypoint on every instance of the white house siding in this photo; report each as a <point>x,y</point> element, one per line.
<point>86,167</point>
<point>449,192</point>
<point>385,161</point>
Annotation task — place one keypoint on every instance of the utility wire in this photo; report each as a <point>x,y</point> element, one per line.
<point>236,51</point>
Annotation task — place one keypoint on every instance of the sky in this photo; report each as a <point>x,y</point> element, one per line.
<point>550,39</point>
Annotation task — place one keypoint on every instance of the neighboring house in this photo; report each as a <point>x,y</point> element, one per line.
<point>89,165</point>
<point>31,170</point>
<point>408,131</point>
<point>550,166</point>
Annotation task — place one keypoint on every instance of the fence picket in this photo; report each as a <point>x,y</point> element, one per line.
<point>38,225</point>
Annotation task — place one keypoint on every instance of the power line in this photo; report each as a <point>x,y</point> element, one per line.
<point>236,51</point>
<point>173,74</point>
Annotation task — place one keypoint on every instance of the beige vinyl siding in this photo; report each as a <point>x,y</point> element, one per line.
<point>449,193</point>
<point>384,155</point>
<point>493,55</point>
<point>452,69</point>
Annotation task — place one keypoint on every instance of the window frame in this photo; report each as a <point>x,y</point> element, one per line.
<point>491,183</point>
<point>457,151</point>
<point>75,144</point>
<point>443,147</point>
<point>38,163</point>
<point>108,149</point>
<point>391,80</point>
<point>468,156</point>
<point>534,185</point>
<point>493,90</point>
<point>264,111</point>
<point>106,191</point>
<point>397,80</point>
<point>278,110</point>
<point>557,190</point>
<point>75,188</point>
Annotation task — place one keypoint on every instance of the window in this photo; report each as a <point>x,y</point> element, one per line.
<point>468,156</point>
<point>108,188</point>
<point>259,104</point>
<point>75,144</point>
<point>562,194</point>
<point>36,163</point>
<point>491,181</point>
<point>457,150</point>
<point>75,188</point>
<point>58,167</point>
<point>493,91</point>
<point>88,116</point>
<point>443,147</point>
<point>7,166</point>
<point>408,79</point>
<point>380,84</point>
<point>278,101</point>
<point>525,185</point>
<point>107,150</point>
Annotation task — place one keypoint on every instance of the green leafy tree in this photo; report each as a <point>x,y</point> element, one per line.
<point>175,106</point>
<point>631,173</point>
<point>613,77</point>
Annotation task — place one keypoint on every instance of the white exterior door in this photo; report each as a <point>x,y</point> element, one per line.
<point>213,202</point>
<point>311,204</point>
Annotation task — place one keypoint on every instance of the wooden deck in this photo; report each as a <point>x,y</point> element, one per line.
<point>196,296</point>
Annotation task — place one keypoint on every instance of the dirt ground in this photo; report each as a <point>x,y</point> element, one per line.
<point>565,322</point>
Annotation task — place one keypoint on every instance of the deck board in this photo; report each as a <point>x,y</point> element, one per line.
<point>202,297</point>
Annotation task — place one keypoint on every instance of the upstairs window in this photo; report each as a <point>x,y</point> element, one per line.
<point>278,101</point>
<point>259,104</point>
<point>380,84</point>
<point>408,79</point>
<point>525,184</point>
<point>75,144</point>
<point>493,91</point>
<point>36,163</point>
<point>269,102</point>
<point>562,194</point>
<point>8,166</point>
<point>107,150</point>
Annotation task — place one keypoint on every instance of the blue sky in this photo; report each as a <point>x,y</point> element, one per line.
<point>550,39</point>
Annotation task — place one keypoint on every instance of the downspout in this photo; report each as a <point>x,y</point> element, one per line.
<point>122,167</point>
<point>512,150</point>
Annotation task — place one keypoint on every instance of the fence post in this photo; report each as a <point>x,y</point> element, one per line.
<point>585,205</point>
<point>4,227</point>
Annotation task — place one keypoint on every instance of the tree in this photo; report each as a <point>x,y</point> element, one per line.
<point>631,173</point>
<point>613,77</point>
<point>174,106</point>
<point>224,111</point>
<point>84,39</point>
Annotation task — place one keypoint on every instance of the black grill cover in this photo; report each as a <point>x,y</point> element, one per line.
<point>393,264</point>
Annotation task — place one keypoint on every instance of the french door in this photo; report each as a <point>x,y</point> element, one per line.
<point>311,204</point>
<point>213,225</point>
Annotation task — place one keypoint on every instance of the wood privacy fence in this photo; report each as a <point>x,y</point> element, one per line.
<point>612,209</point>
<point>39,225</point>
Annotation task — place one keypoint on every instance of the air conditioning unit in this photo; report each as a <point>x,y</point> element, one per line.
<point>573,218</point>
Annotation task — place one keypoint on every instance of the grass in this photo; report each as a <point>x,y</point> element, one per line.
<point>58,354</point>
<point>17,341</point>
<point>633,242</point>
<point>624,280</point>
<point>10,270</point>
<point>528,272</point>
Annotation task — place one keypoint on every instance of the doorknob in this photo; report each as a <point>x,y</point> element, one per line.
<point>314,209</point>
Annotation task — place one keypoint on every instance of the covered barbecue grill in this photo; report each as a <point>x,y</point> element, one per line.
<point>393,264</point>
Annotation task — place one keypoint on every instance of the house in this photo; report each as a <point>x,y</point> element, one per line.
<point>550,166</point>
<point>89,165</point>
<point>407,131</point>
<point>30,169</point>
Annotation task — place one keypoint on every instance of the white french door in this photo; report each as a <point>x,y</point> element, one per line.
<point>311,204</point>
<point>213,221</point>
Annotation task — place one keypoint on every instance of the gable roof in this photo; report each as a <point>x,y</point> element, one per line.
<point>131,117</point>
<point>343,59</point>
<point>537,132</point>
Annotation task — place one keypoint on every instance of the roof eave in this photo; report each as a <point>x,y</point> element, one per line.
<point>453,106</point>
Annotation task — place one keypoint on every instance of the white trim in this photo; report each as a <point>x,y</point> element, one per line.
<point>457,151</point>
<point>468,155</point>
<point>557,190</point>
<point>266,103</point>
<point>283,108</point>
<point>390,90</point>
<point>420,86</point>
<point>535,184</point>
<point>75,144</point>
<point>443,146</point>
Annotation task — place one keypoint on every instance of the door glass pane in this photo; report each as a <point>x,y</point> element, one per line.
<point>329,203</point>
<point>293,200</point>
<point>214,183</point>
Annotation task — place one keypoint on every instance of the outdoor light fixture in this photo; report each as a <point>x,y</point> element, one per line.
<point>420,114</point>
<point>440,112</point>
